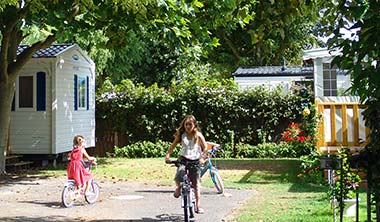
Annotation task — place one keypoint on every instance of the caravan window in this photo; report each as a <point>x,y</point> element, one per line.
<point>329,80</point>
<point>26,92</point>
<point>81,92</point>
<point>30,93</point>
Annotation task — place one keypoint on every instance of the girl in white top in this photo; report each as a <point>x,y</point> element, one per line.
<point>194,147</point>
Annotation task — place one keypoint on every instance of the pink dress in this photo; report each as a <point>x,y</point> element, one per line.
<point>75,169</point>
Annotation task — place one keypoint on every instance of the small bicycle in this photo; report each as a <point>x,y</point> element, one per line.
<point>71,193</point>
<point>209,166</point>
<point>187,189</point>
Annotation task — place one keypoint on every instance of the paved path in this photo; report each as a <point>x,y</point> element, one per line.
<point>38,199</point>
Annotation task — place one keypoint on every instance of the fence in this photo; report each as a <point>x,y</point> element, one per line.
<point>107,138</point>
<point>342,125</point>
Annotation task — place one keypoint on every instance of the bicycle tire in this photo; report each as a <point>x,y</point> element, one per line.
<point>68,195</point>
<point>92,194</point>
<point>217,180</point>
<point>185,207</point>
<point>192,203</point>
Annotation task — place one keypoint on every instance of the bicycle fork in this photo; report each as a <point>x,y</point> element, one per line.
<point>188,195</point>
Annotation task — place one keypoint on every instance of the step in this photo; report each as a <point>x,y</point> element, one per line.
<point>21,163</point>
<point>12,157</point>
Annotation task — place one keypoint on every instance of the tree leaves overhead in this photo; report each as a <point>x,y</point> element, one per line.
<point>228,33</point>
<point>278,31</point>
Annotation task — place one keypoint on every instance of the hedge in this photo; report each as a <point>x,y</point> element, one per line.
<point>225,114</point>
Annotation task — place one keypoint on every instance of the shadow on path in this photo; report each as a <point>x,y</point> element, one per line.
<point>53,204</point>
<point>154,191</point>
<point>163,217</point>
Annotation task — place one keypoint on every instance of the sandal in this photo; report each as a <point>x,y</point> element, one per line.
<point>177,193</point>
<point>199,210</point>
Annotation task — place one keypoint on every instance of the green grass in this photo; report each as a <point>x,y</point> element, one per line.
<point>280,195</point>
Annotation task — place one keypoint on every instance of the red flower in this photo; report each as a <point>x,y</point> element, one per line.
<point>294,133</point>
<point>301,138</point>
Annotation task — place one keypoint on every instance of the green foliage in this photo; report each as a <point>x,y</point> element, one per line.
<point>144,149</point>
<point>153,41</point>
<point>265,150</point>
<point>151,113</point>
<point>148,149</point>
<point>360,56</point>
<point>266,41</point>
<point>310,168</point>
<point>347,181</point>
<point>297,138</point>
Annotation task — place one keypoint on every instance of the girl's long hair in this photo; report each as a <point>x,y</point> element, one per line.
<point>181,129</point>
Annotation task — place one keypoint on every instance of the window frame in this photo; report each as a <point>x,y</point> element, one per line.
<point>81,96</point>
<point>34,100</point>
<point>330,90</point>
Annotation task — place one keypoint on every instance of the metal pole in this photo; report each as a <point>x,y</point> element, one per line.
<point>357,206</point>
<point>341,207</point>
<point>333,189</point>
<point>369,193</point>
<point>330,174</point>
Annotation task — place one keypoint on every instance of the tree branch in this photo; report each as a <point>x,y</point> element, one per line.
<point>12,36</point>
<point>26,55</point>
<point>231,47</point>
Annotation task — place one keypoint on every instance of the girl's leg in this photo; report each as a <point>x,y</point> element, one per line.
<point>197,190</point>
<point>177,191</point>
<point>178,178</point>
<point>87,185</point>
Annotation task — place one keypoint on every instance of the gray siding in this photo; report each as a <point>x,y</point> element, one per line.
<point>30,129</point>
<point>52,131</point>
<point>70,122</point>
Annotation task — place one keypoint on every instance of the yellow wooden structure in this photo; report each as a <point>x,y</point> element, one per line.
<point>341,125</point>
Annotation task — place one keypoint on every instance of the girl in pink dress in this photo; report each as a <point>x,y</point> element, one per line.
<point>76,169</point>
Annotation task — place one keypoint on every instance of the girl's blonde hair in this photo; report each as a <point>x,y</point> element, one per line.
<point>77,140</point>
<point>181,128</point>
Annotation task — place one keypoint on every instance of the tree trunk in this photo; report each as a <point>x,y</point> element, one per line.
<point>6,96</point>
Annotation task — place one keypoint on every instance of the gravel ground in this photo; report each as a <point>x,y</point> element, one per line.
<point>39,199</point>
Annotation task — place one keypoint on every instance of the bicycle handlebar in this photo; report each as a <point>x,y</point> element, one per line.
<point>185,162</point>
<point>89,164</point>
<point>171,162</point>
<point>215,148</point>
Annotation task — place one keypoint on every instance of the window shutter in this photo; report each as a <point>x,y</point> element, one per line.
<point>75,92</point>
<point>41,91</point>
<point>87,93</point>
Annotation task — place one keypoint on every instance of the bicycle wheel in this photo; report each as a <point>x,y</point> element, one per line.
<point>192,203</point>
<point>68,195</point>
<point>92,194</point>
<point>217,180</point>
<point>185,207</point>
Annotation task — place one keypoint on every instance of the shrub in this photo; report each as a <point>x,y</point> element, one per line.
<point>147,149</point>
<point>144,149</point>
<point>310,169</point>
<point>255,115</point>
<point>346,181</point>
<point>264,150</point>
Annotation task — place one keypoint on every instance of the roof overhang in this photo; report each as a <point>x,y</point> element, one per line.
<point>320,53</point>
